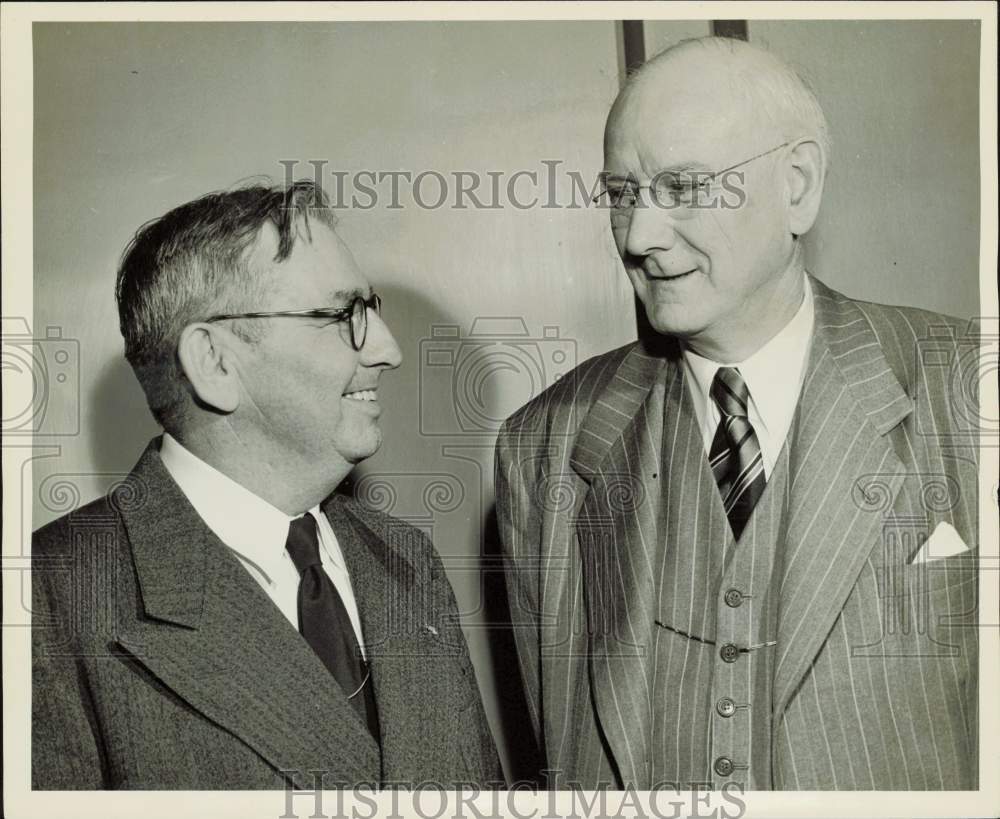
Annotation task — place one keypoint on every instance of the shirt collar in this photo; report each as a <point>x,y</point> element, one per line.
<point>773,374</point>
<point>245,522</point>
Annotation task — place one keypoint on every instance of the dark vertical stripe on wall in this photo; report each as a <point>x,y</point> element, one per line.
<point>737,29</point>
<point>633,44</point>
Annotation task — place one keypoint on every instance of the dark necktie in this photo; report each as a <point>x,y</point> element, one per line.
<point>735,455</point>
<point>325,623</point>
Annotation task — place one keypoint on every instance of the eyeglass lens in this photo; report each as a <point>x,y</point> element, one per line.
<point>359,323</point>
<point>359,319</point>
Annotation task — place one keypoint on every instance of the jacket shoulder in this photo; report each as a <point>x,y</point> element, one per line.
<point>924,347</point>
<point>381,523</point>
<point>566,402</point>
<point>912,324</point>
<point>56,536</point>
<point>403,538</point>
<point>917,344</point>
<point>84,550</point>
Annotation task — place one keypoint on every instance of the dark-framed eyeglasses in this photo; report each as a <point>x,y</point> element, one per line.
<point>668,189</point>
<point>356,313</point>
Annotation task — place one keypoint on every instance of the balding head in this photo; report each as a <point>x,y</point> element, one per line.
<point>740,80</point>
<point>720,152</point>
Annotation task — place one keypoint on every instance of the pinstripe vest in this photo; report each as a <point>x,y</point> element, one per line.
<point>713,721</point>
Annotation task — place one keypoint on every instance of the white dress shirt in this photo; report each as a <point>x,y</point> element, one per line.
<point>256,531</point>
<point>773,375</point>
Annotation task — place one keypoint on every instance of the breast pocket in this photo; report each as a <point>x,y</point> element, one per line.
<point>934,575</point>
<point>931,609</point>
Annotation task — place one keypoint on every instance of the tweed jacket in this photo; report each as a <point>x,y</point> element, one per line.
<point>874,680</point>
<point>159,663</point>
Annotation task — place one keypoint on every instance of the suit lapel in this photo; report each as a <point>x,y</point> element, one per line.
<point>843,475</point>
<point>406,646</point>
<point>213,636</point>
<point>618,527</point>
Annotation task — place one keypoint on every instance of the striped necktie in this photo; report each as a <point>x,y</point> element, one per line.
<point>735,455</point>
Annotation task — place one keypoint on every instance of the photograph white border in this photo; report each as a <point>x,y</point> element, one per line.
<point>17,231</point>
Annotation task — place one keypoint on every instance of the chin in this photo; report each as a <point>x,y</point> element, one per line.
<point>362,447</point>
<point>672,320</point>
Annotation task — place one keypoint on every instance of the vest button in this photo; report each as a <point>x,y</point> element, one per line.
<point>723,766</point>
<point>729,653</point>
<point>734,598</point>
<point>726,707</point>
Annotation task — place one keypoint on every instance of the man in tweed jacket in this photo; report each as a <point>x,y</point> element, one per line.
<point>742,555</point>
<point>167,651</point>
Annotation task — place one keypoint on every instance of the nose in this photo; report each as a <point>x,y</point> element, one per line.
<point>380,348</point>
<point>648,227</point>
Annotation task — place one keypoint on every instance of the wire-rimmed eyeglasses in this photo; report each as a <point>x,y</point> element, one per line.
<point>356,313</point>
<point>668,189</point>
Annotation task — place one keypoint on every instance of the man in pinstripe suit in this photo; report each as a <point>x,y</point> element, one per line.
<point>742,555</point>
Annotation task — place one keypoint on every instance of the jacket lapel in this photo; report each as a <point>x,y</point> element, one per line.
<point>214,637</point>
<point>843,475</point>
<point>407,648</point>
<point>617,453</point>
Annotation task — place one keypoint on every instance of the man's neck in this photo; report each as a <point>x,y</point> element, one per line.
<point>287,483</point>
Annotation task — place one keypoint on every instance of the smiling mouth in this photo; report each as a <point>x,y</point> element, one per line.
<point>362,395</point>
<point>671,277</point>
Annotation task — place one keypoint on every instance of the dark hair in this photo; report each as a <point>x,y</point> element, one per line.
<point>192,262</point>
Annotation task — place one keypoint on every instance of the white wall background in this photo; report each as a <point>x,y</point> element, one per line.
<point>900,217</point>
<point>133,119</point>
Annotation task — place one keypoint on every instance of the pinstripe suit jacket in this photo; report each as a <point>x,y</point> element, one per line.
<point>875,674</point>
<point>159,663</point>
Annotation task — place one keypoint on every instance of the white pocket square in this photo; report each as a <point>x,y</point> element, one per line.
<point>943,542</point>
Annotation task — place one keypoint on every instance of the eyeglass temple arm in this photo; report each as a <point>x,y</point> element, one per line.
<point>340,312</point>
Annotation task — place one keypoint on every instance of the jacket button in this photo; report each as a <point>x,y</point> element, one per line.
<point>723,766</point>
<point>734,598</point>
<point>729,653</point>
<point>726,707</point>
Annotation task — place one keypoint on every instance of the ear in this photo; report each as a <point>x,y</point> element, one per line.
<point>806,168</point>
<point>207,358</point>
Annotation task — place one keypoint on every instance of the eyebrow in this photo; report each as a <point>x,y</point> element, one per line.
<point>680,167</point>
<point>339,296</point>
